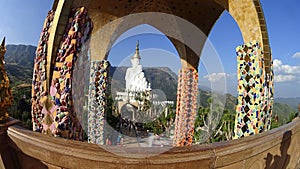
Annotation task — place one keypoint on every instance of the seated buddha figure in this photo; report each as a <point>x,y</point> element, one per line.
<point>135,77</point>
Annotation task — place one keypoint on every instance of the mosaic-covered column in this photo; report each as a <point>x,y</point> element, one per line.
<point>39,89</point>
<point>186,109</point>
<point>64,118</point>
<point>253,106</point>
<point>53,110</point>
<point>97,101</point>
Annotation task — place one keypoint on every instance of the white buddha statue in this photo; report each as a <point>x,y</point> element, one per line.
<point>135,77</point>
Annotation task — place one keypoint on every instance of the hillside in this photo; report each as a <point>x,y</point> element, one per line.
<point>22,55</point>
<point>18,74</point>
<point>292,102</point>
<point>19,66</point>
<point>282,111</point>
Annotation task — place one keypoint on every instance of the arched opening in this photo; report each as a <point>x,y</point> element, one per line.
<point>225,36</point>
<point>218,85</point>
<point>149,85</point>
<point>188,48</point>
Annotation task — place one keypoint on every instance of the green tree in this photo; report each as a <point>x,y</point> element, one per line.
<point>163,123</point>
<point>206,134</point>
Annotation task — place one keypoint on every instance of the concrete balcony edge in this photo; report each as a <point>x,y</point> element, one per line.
<point>75,154</point>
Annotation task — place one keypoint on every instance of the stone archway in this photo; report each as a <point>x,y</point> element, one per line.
<point>128,111</point>
<point>110,20</point>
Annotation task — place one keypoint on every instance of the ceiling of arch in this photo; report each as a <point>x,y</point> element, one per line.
<point>202,13</point>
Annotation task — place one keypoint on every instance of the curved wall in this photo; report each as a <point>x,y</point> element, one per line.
<point>278,148</point>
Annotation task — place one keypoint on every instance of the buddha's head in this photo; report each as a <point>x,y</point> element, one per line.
<point>135,62</point>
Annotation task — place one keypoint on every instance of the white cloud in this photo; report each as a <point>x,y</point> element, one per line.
<point>285,73</point>
<point>287,80</point>
<point>214,77</point>
<point>277,63</point>
<point>281,68</point>
<point>284,78</point>
<point>219,82</point>
<point>296,55</point>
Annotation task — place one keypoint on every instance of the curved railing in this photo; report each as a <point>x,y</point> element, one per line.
<point>278,148</point>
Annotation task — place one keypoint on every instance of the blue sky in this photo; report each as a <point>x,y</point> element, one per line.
<point>21,23</point>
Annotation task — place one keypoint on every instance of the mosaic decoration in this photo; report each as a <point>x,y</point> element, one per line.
<point>254,93</point>
<point>39,74</point>
<point>186,109</point>
<point>6,97</point>
<point>270,101</point>
<point>53,111</point>
<point>78,30</point>
<point>97,101</point>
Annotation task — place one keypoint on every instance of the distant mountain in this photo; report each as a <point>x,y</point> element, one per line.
<point>283,111</point>
<point>292,102</point>
<point>19,60</point>
<point>163,78</point>
<point>22,55</point>
<point>19,64</point>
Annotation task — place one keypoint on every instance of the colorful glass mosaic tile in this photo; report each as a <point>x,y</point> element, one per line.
<point>270,97</point>
<point>53,109</point>
<point>253,91</point>
<point>97,101</point>
<point>186,106</point>
<point>39,74</point>
<point>78,30</point>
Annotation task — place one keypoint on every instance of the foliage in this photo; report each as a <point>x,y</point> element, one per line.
<point>144,99</point>
<point>112,120</point>
<point>292,116</point>
<point>162,123</point>
<point>282,114</point>
<point>222,132</point>
<point>21,108</point>
<point>276,122</point>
